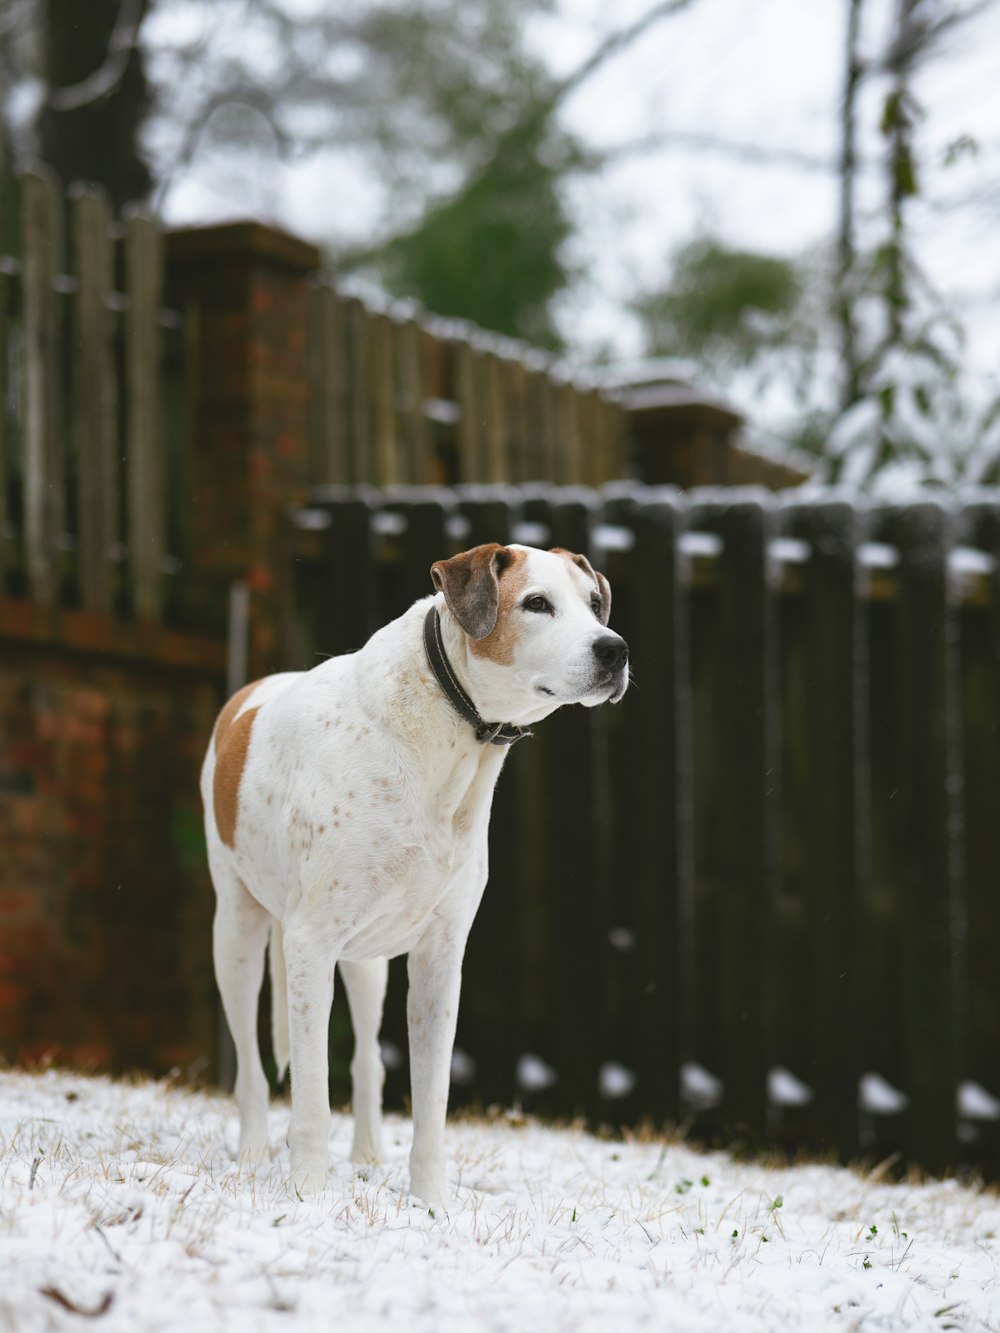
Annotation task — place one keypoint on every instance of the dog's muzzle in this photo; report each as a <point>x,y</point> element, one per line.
<point>611,652</point>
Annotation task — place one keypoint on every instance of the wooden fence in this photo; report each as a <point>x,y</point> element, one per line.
<point>760,894</point>
<point>89,443</point>
<point>99,398</point>
<point>398,399</point>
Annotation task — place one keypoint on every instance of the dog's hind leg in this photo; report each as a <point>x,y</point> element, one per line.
<point>279,999</point>
<point>365,983</point>
<point>239,938</point>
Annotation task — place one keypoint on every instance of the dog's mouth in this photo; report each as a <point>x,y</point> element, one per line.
<point>608,689</point>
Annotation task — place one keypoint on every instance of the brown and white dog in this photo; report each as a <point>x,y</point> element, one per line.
<point>346,811</point>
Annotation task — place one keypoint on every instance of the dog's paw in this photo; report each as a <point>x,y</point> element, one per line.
<point>430,1190</point>
<point>253,1150</point>
<point>366,1152</point>
<point>308,1175</point>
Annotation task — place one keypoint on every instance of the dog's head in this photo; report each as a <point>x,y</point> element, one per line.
<point>535,629</point>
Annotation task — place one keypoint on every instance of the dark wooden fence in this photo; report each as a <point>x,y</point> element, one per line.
<point>760,895</point>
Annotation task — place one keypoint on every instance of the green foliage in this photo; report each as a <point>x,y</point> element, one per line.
<point>493,252</point>
<point>723,306</point>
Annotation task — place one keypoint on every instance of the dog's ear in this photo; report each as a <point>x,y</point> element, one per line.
<point>603,586</point>
<point>471,586</point>
<point>604,614</point>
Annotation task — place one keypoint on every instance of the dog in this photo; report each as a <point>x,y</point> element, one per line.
<point>346,817</point>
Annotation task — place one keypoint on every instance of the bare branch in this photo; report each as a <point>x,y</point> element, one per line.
<point>104,80</point>
<point>698,141</point>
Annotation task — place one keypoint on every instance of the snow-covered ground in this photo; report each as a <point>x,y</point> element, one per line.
<point>121,1202</point>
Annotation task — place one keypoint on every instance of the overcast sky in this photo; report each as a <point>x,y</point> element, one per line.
<point>761,73</point>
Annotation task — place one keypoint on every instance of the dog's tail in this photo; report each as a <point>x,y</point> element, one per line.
<point>279,999</point>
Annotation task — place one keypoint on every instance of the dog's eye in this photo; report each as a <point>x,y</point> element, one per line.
<point>537,603</point>
<point>595,605</point>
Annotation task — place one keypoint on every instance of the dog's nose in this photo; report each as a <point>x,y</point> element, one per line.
<point>611,651</point>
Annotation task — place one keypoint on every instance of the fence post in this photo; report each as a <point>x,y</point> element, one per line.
<point>928,912</point>
<point>980,667</point>
<point>328,396</point>
<point>651,788</point>
<point>491,1015</point>
<point>97,450</point>
<point>146,524</point>
<point>827,800</point>
<point>244,288</point>
<point>735,881</point>
<point>8,548</point>
<point>566,750</point>
<point>44,477</point>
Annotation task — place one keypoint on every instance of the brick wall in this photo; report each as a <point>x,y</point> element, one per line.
<point>105,902</point>
<point>105,899</point>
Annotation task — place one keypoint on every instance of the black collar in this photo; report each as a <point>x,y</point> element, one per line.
<point>497,733</point>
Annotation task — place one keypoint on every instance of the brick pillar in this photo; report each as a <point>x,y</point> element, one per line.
<point>243,291</point>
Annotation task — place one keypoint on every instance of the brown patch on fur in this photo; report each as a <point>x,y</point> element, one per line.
<point>500,643</point>
<point>232,739</point>
<point>470,582</point>
<point>603,587</point>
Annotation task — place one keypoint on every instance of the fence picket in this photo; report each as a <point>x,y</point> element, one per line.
<point>468,392</point>
<point>147,520</point>
<point>928,905</point>
<point>570,856</point>
<point>44,477</point>
<point>491,1025</point>
<point>494,418</point>
<point>358,322</point>
<point>329,406</point>
<point>417,436</point>
<point>390,469</point>
<point>825,805</point>
<point>650,794</point>
<point>7,534</point>
<point>739,807</point>
<point>95,420</point>
<point>980,654</point>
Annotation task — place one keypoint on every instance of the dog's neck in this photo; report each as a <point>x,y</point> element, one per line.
<point>489,686</point>
<point>487,733</point>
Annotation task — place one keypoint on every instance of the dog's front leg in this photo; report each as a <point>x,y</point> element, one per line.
<point>309,969</point>
<point>435,977</point>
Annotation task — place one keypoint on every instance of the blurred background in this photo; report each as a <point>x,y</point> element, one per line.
<point>799,201</point>
<point>297,298</point>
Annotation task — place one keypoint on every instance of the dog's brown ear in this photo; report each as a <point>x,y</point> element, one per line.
<point>471,586</point>
<point>604,614</point>
<point>603,586</point>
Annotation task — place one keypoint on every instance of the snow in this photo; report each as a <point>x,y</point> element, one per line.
<point>784,1089</point>
<point>877,1096</point>
<point>122,1201</point>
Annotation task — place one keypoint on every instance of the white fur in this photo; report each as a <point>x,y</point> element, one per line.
<point>362,834</point>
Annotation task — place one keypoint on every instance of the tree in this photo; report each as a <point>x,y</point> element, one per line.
<point>903,405</point>
<point>724,307</point>
<point>456,120</point>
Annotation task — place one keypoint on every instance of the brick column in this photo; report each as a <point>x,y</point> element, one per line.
<point>243,291</point>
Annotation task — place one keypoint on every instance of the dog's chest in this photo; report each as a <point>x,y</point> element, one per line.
<point>364,846</point>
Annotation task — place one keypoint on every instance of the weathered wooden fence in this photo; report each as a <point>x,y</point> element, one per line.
<point>401,398</point>
<point>89,444</point>
<point>761,893</point>
<point>107,425</point>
